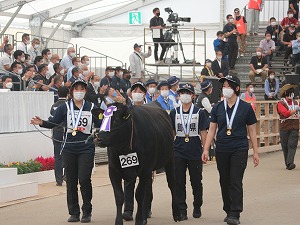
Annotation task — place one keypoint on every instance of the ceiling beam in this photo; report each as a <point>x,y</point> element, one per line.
<point>9,4</point>
<point>116,11</point>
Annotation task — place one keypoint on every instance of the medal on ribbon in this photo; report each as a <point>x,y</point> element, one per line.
<point>186,126</point>
<point>75,120</point>
<point>229,122</point>
<point>108,113</point>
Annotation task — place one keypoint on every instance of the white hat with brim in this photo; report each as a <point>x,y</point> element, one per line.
<point>285,88</point>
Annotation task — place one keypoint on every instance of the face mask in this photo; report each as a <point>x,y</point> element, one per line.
<point>152,90</point>
<point>27,42</point>
<point>268,38</point>
<point>231,20</point>
<point>290,15</point>
<point>36,46</point>
<point>137,97</point>
<point>28,62</point>
<point>292,31</point>
<point>185,98</point>
<point>79,64</point>
<point>164,93</point>
<point>79,95</point>
<point>220,38</point>
<point>292,95</point>
<point>62,72</point>
<point>23,59</point>
<point>258,53</point>
<point>111,74</point>
<point>49,56</point>
<point>87,63</point>
<point>9,85</point>
<point>298,38</point>
<point>273,23</point>
<point>20,71</point>
<point>72,54</point>
<point>97,84</point>
<point>251,90</point>
<point>80,75</point>
<point>114,94</point>
<point>157,14</point>
<point>62,84</point>
<point>121,74</point>
<point>272,77</point>
<point>219,57</point>
<point>227,92</point>
<point>85,73</point>
<point>208,64</point>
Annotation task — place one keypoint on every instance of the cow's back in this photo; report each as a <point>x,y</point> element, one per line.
<point>152,136</point>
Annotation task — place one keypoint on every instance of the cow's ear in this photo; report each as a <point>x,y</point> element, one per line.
<point>98,113</point>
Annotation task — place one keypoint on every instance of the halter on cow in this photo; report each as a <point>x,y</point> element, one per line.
<point>143,137</point>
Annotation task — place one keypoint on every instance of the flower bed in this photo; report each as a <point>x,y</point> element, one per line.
<point>31,166</point>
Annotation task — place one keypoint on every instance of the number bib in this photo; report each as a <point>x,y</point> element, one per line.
<point>129,160</point>
<point>85,122</point>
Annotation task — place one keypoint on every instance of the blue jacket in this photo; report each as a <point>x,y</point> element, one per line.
<point>148,97</point>
<point>165,105</point>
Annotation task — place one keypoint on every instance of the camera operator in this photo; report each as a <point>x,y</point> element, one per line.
<point>158,23</point>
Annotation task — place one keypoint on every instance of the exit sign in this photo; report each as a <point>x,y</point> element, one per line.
<point>135,18</point>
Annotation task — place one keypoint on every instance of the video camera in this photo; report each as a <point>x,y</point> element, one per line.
<point>173,17</point>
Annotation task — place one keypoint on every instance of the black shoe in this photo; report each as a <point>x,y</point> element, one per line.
<point>197,213</point>
<point>183,215</point>
<point>73,218</point>
<point>161,170</point>
<point>127,215</point>
<point>58,183</point>
<point>86,218</point>
<point>233,221</point>
<point>291,166</point>
<point>225,219</point>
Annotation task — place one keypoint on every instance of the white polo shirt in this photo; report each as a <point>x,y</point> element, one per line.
<point>6,60</point>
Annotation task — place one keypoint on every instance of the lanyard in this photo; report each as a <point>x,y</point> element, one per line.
<point>292,107</point>
<point>230,122</point>
<point>75,121</point>
<point>186,126</point>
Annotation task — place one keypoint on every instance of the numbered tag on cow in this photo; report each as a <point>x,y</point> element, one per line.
<point>129,160</point>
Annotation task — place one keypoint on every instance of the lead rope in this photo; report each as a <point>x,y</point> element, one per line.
<point>131,138</point>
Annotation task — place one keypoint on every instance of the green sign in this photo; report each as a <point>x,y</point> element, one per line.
<point>135,18</point>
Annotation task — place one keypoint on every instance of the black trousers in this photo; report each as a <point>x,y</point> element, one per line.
<point>289,142</point>
<point>288,52</point>
<point>79,167</point>
<point>231,166</point>
<point>195,171</point>
<point>58,168</point>
<point>163,48</point>
<point>233,49</point>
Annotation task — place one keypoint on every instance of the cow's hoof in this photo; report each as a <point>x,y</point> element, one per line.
<point>144,222</point>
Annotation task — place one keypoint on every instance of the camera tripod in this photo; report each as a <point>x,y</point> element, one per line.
<point>174,36</point>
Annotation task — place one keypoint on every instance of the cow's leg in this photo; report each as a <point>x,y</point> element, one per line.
<point>144,179</point>
<point>116,182</point>
<point>170,174</point>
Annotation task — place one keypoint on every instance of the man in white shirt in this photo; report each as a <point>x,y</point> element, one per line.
<point>24,44</point>
<point>33,49</point>
<point>46,53</point>
<point>85,60</point>
<point>66,62</point>
<point>54,59</point>
<point>268,46</point>
<point>136,60</point>
<point>7,59</point>
<point>202,101</point>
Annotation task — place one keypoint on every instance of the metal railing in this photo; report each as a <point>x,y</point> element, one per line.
<point>99,61</point>
<point>187,49</point>
<point>55,46</point>
<point>271,8</point>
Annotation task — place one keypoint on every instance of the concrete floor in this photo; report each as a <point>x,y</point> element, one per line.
<point>271,197</point>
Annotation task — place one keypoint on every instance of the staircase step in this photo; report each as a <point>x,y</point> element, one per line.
<point>17,191</point>
<point>8,175</point>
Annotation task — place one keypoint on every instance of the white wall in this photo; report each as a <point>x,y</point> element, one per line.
<point>15,147</point>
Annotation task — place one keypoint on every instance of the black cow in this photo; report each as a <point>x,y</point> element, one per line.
<point>147,131</point>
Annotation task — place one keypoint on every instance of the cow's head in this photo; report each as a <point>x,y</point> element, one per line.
<point>116,126</point>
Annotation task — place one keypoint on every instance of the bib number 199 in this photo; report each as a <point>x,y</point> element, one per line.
<point>129,160</point>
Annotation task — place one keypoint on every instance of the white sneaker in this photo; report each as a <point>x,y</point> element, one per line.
<point>242,55</point>
<point>157,62</point>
